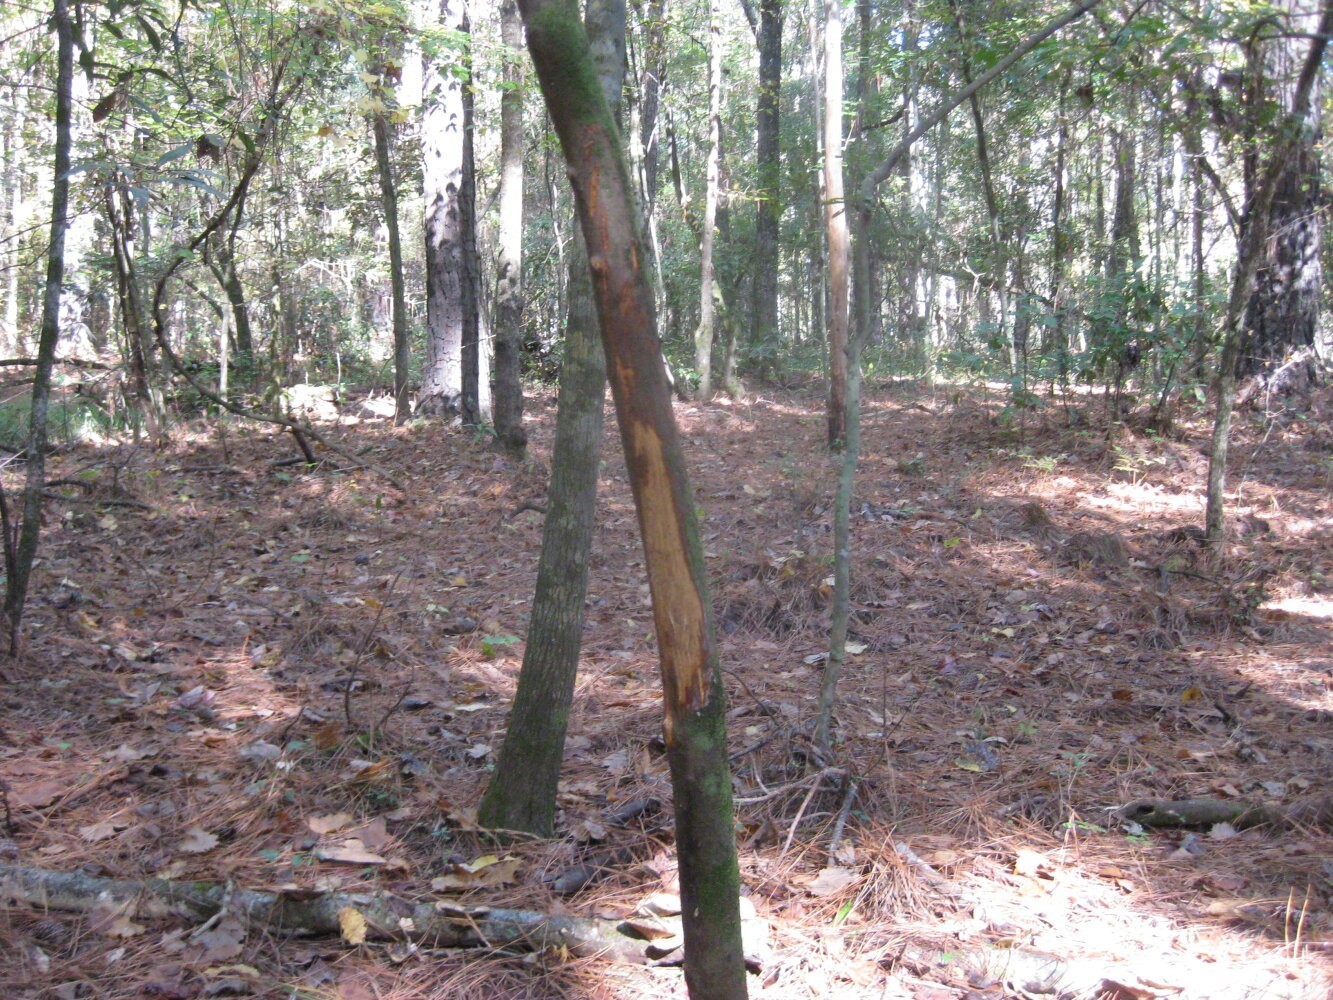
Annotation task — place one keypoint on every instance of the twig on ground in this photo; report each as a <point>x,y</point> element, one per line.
<point>791,833</point>
<point>911,857</point>
<point>835,841</point>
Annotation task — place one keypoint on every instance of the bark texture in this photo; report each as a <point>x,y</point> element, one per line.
<point>835,224</point>
<point>1282,314</point>
<point>522,793</point>
<point>402,407</point>
<point>448,269</point>
<point>694,722</point>
<point>20,555</point>
<point>768,206</point>
<point>509,257</point>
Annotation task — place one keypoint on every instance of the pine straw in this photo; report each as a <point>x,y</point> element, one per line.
<point>1010,693</point>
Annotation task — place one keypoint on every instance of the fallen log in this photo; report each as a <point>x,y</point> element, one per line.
<point>387,916</point>
<point>1164,813</point>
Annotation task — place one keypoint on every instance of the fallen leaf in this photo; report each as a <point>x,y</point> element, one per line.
<point>39,794</point>
<point>328,824</point>
<point>352,924</point>
<point>197,841</point>
<point>1032,864</point>
<point>586,829</point>
<point>488,871</point>
<point>222,941</point>
<point>832,880</point>
<point>373,835</point>
<point>350,852</point>
<point>104,830</point>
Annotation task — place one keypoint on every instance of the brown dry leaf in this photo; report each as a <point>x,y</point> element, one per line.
<point>39,794</point>
<point>832,880</point>
<point>197,841</point>
<point>326,736</point>
<point>488,871</point>
<point>330,823</point>
<point>352,924</point>
<point>221,942</point>
<point>349,852</point>
<point>113,921</point>
<point>1033,864</point>
<point>104,830</point>
<point>374,834</point>
<point>586,830</point>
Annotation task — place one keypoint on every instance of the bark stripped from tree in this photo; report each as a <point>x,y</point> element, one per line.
<point>694,720</point>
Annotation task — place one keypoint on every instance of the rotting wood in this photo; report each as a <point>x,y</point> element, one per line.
<point>438,924</point>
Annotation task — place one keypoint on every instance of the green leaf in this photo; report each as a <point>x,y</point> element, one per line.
<point>492,644</point>
<point>175,154</point>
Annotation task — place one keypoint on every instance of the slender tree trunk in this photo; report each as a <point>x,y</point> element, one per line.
<point>133,318</point>
<point>695,717</point>
<point>522,792</point>
<point>509,255</point>
<point>864,208</point>
<point>21,553</point>
<point>402,358</point>
<point>764,333</point>
<point>835,224</point>
<point>703,334</point>
<point>1254,239</point>
<point>475,405</point>
<point>13,156</point>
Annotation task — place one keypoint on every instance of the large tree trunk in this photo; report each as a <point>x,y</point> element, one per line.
<point>448,268</point>
<point>695,717</point>
<point>20,553</point>
<point>509,255</point>
<point>1282,314</point>
<point>1254,239</point>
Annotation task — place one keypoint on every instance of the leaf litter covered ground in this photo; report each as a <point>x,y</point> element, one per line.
<point>243,671</point>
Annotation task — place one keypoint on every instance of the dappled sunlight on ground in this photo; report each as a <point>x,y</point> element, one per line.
<point>287,677</point>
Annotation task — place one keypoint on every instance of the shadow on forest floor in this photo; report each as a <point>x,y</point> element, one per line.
<point>245,650</point>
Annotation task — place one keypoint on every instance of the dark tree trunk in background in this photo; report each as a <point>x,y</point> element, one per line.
<point>704,334</point>
<point>763,341</point>
<point>1253,245</point>
<point>402,405</point>
<point>835,223</point>
<point>695,711</point>
<point>20,546</point>
<point>509,256</point>
<point>1282,314</point>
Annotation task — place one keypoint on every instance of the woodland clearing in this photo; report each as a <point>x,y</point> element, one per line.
<point>282,678</point>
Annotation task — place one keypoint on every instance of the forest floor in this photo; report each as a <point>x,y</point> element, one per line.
<point>244,671</point>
